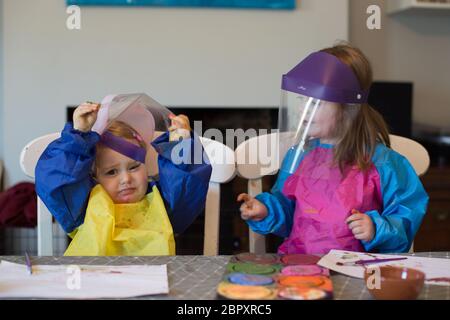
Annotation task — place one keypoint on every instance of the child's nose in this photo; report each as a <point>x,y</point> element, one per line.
<point>125,177</point>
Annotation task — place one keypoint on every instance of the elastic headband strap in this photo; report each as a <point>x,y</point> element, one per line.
<point>123,146</point>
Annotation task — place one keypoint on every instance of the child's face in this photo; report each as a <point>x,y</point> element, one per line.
<point>124,179</point>
<point>324,122</point>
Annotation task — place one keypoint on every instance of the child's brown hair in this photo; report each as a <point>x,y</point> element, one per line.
<point>359,129</point>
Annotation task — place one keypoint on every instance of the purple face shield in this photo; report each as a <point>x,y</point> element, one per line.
<point>323,76</point>
<point>308,92</point>
<point>123,146</point>
<point>145,115</point>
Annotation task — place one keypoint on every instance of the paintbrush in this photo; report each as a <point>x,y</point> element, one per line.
<point>28,263</point>
<point>364,262</point>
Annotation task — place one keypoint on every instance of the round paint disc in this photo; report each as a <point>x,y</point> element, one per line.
<point>299,259</point>
<point>249,279</point>
<point>295,293</point>
<point>251,268</point>
<point>239,292</point>
<point>301,281</point>
<point>257,258</point>
<point>299,270</point>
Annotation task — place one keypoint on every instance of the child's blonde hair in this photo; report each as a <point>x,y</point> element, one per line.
<point>122,130</point>
<point>359,129</point>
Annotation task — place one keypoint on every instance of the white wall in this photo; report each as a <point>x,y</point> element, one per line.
<point>409,47</point>
<point>195,57</point>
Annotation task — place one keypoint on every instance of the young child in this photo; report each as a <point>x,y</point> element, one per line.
<point>97,187</point>
<point>348,190</point>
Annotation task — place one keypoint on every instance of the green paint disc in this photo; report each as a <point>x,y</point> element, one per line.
<point>251,268</point>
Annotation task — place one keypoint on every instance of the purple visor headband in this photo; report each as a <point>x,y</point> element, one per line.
<point>124,147</point>
<point>323,76</point>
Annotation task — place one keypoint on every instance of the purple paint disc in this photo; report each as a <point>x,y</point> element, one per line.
<point>302,270</point>
<point>299,259</point>
<point>257,258</point>
<point>249,279</point>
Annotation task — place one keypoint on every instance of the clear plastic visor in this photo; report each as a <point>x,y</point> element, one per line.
<point>296,116</point>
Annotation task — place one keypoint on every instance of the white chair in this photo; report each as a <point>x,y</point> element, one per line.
<point>416,154</point>
<point>223,170</point>
<point>271,162</point>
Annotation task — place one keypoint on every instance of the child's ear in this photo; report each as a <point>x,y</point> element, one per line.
<point>94,177</point>
<point>94,172</point>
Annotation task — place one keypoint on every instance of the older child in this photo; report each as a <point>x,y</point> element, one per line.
<point>348,190</point>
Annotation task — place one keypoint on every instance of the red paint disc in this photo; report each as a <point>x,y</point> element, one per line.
<point>257,258</point>
<point>299,270</point>
<point>299,259</point>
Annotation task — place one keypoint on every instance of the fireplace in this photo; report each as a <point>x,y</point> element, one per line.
<point>392,99</point>
<point>233,230</point>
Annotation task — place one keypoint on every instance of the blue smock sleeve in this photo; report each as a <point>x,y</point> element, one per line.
<point>280,209</point>
<point>184,174</point>
<point>63,180</point>
<point>404,203</point>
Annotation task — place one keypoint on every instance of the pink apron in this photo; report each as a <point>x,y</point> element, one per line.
<point>324,199</point>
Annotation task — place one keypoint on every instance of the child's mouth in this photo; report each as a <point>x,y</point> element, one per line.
<point>126,192</point>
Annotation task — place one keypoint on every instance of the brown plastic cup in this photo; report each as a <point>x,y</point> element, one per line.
<point>395,283</point>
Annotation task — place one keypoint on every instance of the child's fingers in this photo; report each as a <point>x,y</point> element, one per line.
<point>358,230</point>
<point>179,122</point>
<point>84,109</point>
<point>183,118</point>
<point>354,217</point>
<point>248,213</point>
<point>354,224</point>
<point>362,236</point>
<point>243,197</point>
<point>245,212</point>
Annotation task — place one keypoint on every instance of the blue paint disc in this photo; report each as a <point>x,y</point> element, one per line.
<point>249,279</point>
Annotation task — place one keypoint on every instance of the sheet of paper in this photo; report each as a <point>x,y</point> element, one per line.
<point>82,282</point>
<point>434,268</point>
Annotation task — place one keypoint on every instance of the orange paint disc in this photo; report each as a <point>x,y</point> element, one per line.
<point>240,292</point>
<point>301,281</point>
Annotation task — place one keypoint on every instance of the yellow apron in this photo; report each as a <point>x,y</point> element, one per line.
<point>129,229</point>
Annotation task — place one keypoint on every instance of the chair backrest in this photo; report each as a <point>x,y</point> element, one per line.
<point>268,163</point>
<point>223,170</point>
<point>416,154</point>
<point>223,165</point>
<point>28,158</point>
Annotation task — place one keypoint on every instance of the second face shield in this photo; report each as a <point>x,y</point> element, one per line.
<point>308,89</point>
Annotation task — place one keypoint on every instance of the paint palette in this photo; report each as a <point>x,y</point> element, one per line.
<point>250,276</point>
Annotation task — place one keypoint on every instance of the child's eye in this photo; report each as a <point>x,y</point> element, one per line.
<point>135,166</point>
<point>111,172</point>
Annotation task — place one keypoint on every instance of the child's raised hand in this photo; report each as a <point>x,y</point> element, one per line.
<point>179,127</point>
<point>251,209</point>
<point>361,225</point>
<point>85,115</point>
